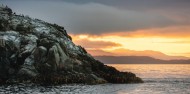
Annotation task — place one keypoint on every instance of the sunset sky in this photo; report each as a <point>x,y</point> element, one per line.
<point>118,27</point>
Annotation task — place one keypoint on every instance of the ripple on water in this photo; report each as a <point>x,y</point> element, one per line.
<point>151,86</point>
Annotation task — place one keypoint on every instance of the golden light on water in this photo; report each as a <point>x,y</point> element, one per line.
<point>161,70</point>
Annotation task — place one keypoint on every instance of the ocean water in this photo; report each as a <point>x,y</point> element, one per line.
<point>159,79</point>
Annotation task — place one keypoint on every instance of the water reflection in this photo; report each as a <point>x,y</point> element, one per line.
<point>156,70</point>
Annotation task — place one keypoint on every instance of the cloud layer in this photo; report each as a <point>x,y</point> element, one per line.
<point>103,16</point>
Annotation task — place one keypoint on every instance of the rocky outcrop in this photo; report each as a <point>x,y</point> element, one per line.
<point>39,52</point>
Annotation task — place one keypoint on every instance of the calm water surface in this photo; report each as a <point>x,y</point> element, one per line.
<point>156,70</point>
<point>159,79</point>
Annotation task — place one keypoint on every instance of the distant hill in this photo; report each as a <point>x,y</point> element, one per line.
<point>138,60</point>
<point>127,52</point>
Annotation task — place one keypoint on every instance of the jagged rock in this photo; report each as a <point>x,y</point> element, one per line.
<point>34,50</point>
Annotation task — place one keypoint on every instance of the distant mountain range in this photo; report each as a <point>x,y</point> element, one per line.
<point>138,60</point>
<point>127,52</point>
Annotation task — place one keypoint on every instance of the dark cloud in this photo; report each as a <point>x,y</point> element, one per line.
<point>104,16</point>
<point>138,4</point>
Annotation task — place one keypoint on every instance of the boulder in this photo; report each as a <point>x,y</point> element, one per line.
<point>53,58</point>
<point>62,55</point>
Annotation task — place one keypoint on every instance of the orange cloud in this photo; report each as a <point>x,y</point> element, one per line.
<point>85,41</point>
<point>98,52</point>
<point>173,32</point>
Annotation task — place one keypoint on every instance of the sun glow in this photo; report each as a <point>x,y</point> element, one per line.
<point>83,36</point>
<point>169,46</point>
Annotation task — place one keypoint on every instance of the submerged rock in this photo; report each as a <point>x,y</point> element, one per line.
<point>36,51</point>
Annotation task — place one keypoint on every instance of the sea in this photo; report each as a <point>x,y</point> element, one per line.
<point>158,79</point>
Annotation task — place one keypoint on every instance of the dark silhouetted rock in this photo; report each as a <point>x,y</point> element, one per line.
<point>39,52</point>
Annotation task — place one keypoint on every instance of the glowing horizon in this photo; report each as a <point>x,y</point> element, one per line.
<point>174,44</point>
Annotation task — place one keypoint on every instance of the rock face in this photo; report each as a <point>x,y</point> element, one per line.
<point>39,52</point>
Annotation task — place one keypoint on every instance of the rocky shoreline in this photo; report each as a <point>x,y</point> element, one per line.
<point>35,51</point>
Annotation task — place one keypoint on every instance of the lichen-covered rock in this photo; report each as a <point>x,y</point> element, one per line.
<point>40,52</point>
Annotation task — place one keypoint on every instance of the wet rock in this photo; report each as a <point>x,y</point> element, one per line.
<point>93,79</point>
